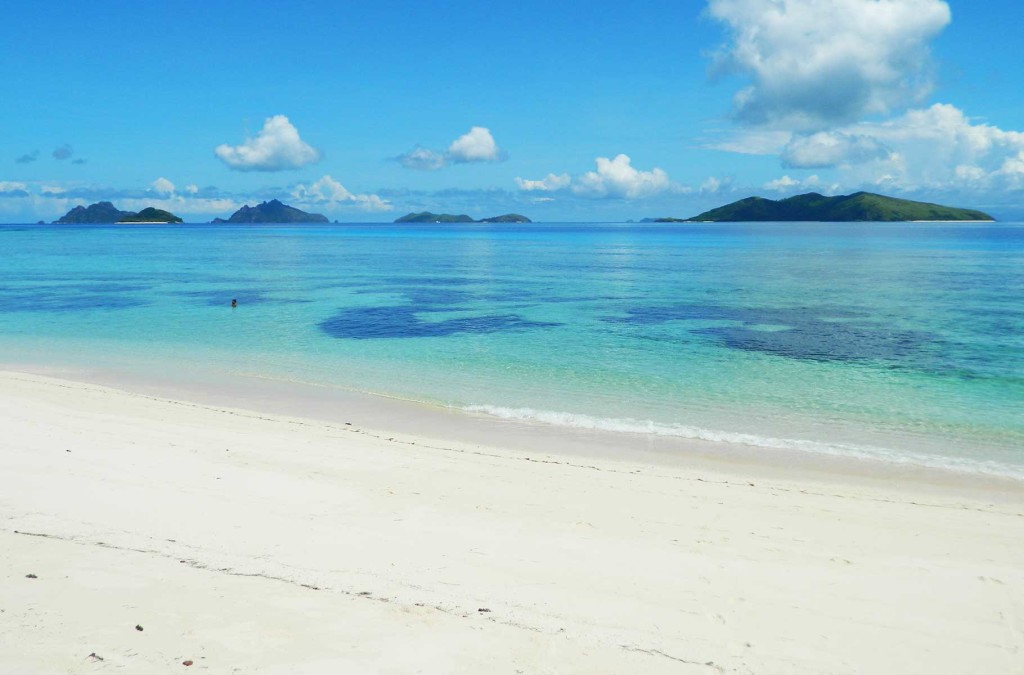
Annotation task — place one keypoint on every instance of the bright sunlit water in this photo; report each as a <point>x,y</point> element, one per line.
<point>901,341</point>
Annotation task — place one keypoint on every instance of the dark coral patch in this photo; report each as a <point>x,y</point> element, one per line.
<point>403,321</point>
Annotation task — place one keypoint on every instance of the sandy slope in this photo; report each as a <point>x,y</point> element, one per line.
<point>250,543</point>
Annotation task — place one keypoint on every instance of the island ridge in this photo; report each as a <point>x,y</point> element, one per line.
<point>858,207</point>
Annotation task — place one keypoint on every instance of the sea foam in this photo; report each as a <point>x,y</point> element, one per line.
<point>649,427</point>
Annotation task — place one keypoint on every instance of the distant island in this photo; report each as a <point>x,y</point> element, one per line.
<point>507,218</point>
<point>858,207</point>
<point>272,212</point>
<point>428,217</point>
<point>151,215</point>
<point>105,212</point>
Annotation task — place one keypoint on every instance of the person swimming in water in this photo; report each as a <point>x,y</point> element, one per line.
<point>234,302</point>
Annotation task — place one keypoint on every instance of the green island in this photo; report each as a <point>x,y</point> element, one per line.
<point>428,217</point>
<point>507,218</point>
<point>105,212</point>
<point>151,215</point>
<point>813,207</point>
<point>272,212</point>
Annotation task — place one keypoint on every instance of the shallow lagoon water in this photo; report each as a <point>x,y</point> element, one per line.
<point>899,341</point>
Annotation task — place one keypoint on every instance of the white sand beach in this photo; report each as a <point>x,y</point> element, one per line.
<point>254,542</point>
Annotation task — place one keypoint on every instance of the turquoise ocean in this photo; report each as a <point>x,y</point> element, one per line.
<point>903,342</point>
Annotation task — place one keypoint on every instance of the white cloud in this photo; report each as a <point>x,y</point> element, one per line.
<point>277,146</point>
<point>330,192</point>
<point>191,188</point>
<point>783,184</point>
<point>831,148</point>
<point>753,141</point>
<point>12,186</point>
<point>710,185</point>
<point>617,178</point>
<point>180,205</point>
<point>163,186</point>
<point>933,148</point>
<point>50,202</point>
<point>476,145</point>
<point>813,63</point>
<point>786,184</point>
<point>422,159</point>
<point>714,185</point>
<point>1011,172</point>
<point>549,183</point>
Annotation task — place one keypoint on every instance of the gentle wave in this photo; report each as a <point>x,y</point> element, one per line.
<point>634,426</point>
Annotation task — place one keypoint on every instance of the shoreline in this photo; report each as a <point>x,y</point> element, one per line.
<point>280,543</point>
<point>389,414</point>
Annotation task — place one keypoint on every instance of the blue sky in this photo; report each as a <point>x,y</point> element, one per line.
<point>603,111</point>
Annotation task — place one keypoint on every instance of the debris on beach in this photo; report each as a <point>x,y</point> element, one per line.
<point>138,627</point>
<point>31,576</point>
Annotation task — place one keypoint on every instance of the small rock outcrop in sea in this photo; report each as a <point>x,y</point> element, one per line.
<point>105,212</point>
<point>428,217</point>
<point>272,212</point>
<point>858,207</point>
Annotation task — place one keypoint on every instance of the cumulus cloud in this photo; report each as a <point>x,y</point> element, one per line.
<point>13,189</point>
<point>163,186</point>
<point>932,148</point>
<point>327,191</point>
<point>786,184</point>
<point>832,86</point>
<point>549,183</point>
<point>422,159</point>
<point>831,148</point>
<point>613,178</point>
<point>617,178</point>
<point>476,145</point>
<point>1010,172</point>
<point>63,152</point>
<point>28,157</point>
<point>276,147</point>
<point>753,141</point>
<point>191,188</point>
<point>814,63</point>
<point>711,185</point>
<point>783,184</point>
